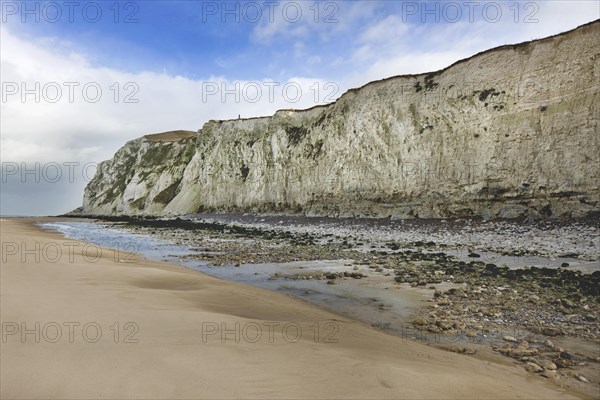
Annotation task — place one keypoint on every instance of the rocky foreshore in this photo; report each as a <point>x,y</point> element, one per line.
<point>546,318</point>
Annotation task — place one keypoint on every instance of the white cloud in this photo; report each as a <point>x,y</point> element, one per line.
<point>84,131</point>
<point>391,46</point>
<point>319,20</point>
<point>390,29</point>
<point>283,20</point>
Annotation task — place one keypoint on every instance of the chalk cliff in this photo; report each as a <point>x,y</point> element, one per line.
<point>509,132</point>
<point>142,177</point>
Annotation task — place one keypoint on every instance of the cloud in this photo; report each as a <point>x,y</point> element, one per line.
<point>74,110</point>
<point>389,30</point>
<point>397,44</point>
<point>286,19</point>
<point>322,21</point>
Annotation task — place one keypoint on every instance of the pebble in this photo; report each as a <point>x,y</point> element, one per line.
<point>549,331</point>
<point>444,325</point>
<point>523,345</point>
<point>564,363</point>
<point>583,378</point>
<point>550,374</point>
<point>532,367</point>
<point>549,365</point>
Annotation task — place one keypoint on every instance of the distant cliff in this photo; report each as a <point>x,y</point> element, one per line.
<point>143,176</point>
<point>509,132</point>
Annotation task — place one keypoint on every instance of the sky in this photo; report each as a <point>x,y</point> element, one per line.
<point>80,78</point>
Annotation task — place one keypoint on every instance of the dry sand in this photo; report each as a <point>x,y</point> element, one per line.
<point>173,308</point>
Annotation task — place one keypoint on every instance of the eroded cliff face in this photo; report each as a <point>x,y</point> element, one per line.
<point>509,132</point>
<point>142,177</point>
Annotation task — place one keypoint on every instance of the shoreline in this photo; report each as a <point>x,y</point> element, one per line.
<point>461,313</point>
<point>363,363</point>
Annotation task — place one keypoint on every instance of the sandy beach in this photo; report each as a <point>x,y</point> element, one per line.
<point>88,322</point>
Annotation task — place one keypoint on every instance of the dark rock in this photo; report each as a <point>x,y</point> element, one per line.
<point>563,363</point>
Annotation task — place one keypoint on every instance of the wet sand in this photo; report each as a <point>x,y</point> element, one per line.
<point>113,325</point>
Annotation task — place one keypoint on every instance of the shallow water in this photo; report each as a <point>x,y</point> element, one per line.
<point>110,236</point>
<point>376,300</point>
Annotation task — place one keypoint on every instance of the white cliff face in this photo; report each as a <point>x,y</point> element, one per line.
<point>142,177</point>
<point>509,132</point>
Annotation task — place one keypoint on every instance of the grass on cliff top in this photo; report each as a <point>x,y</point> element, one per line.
<point>173,136</point>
